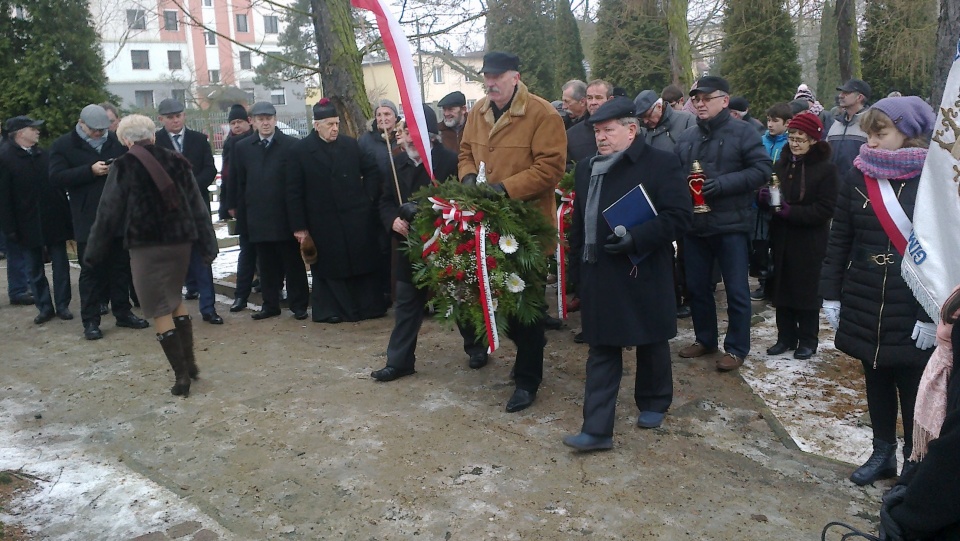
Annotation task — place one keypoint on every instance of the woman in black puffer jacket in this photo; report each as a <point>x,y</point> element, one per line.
<point>876,317</point>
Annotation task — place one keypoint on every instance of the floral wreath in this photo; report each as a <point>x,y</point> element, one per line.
<point>445,250</point>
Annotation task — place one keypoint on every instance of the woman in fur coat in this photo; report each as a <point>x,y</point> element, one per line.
<point>152,201</point>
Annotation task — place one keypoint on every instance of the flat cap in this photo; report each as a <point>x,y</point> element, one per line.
<point>170,106</point>
<point>856,85</point>
<point>95,117</point>
<point>644,101</point>
<point>20,122</point>
<point>739,103</point>
<point>709,84</point>
<point>614,108</point>
<point>453,99</point>
<point>263,108</point>
<point>497,62</point>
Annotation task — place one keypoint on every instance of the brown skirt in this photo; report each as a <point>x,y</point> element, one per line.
<point>158,275</point>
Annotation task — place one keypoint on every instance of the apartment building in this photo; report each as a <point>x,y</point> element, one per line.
<point>191,50</point>
<point>437,76</point>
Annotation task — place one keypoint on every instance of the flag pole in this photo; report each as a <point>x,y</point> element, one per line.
<point>393,166</point>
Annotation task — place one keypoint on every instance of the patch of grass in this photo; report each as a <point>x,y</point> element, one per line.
<point>5,478</point>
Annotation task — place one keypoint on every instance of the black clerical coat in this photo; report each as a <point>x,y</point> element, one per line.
<point>333,192</point>
<point>621,305</point>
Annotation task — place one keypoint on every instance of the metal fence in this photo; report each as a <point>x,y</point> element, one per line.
<point>216,126</point>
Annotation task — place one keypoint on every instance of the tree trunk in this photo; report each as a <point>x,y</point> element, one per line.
<point>948,32</point>
<point>681,59</point>
<point>341,77</point>
<point>846,23</point>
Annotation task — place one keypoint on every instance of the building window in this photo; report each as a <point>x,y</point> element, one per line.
<point>144,99</point>
<point>210,37</point>
<point>278,96</point>
<point>249,93</point>
<point>214,76</point>
<point>245,62</point>
<point>174,61</point>
<point>136,19</point>
<point>179,94</point>
<point>438,74</point>
<point>140,60</point>
<point>170,21</point>
<point>271,24</point>
<point>207,3</point>
<point>242,23</point>
<point>470,104</point>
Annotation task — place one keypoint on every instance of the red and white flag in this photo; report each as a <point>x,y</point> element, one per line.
<point>398,50</point>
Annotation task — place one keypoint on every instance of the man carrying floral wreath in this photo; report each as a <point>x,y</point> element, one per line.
<point>521,141</point>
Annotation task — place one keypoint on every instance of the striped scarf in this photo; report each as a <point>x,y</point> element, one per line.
<point>899,164</point>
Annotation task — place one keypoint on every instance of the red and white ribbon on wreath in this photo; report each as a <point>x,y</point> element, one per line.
<point>450,213</point>
<point>565,208</point>
<point>486,294</point>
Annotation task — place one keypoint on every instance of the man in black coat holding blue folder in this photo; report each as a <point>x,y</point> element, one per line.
<point>625,273</point>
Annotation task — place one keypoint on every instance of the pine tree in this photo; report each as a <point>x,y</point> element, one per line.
<point>759,53</point>
<point>52,64</point>
<point>298,49</point>
<point>828,54</point>
<point>898,46</point>
<point>569,51</point>
<point>526,29</point>
<point>633,47</point>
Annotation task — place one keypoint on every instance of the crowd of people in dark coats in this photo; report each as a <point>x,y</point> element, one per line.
<point>786,202</point>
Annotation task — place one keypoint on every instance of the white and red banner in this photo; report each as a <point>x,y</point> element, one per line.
<point>931,262</point>
<point>395,41</point>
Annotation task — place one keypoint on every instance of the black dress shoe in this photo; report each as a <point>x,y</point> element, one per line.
<point>23,300</point>
<point>238,304</point>
<point>64,314</point>
<point>299,315</point>
<point>552,323</point>
<point>104,309</point>
<point>578,338</point>
<point>803,353</point>
<point>683,311</point>
<point>331,319</point>
<point>779,348</point>
<point>192,295</point>
<point>478,360</point>
<point>213,318</point>
<point>264,314</point>
<point>91,330</point>
<point>43,317</point>
<point>520,400</point>
<point>131,321</point>
<point>390,373</point>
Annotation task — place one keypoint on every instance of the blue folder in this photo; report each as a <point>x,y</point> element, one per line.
<point>631,210</point>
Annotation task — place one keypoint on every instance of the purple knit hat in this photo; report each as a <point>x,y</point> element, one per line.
<point>910,114</point>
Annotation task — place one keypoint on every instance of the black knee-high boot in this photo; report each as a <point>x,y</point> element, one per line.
<point>170,342</point>
<point>184,326</point>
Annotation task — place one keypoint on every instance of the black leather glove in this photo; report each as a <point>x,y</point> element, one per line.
<point>496,191</point>
<point>889,529</point>
<point>712,188</point>
<point>619,245</point>
<point>13,238</point>
<point>408,211</point>
<point>469,179</point>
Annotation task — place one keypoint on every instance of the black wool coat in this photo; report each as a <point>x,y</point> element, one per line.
<point>261,180</point>
<point>333,190</point>
<point>621,305</point>
<point>30,205</point>
<point>877,308</point>
<point>196,149</point>
<point>411,177</point>
<point>731,152</point>
<point>581,143</point>
<point>799,240</point>
<point>132,204</point>
<point>70,161</point>
<point>228,187</point>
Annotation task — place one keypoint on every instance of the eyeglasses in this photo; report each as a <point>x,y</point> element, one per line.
<point>706,99</point>
<point>799,140</point>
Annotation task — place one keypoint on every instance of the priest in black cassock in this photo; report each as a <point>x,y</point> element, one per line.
<point>332,195</point>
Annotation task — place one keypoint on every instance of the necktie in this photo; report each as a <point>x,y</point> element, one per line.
<point>176,143</point>
<point>265,143</point>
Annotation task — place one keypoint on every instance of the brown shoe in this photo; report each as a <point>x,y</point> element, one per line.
<point>696,349</point>
<point>729,362</point>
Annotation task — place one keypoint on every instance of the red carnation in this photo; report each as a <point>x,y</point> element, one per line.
<point>438,222</point>
<point>447,229</point>
<point>478,216</point>
<point>461,275</point>
<point>491,262</point>
<point>424,238</point>
<point>448,270</point>
<point>494,237</point>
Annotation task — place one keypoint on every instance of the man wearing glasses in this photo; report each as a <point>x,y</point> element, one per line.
<point>735,164</point>
<point>79,162</point>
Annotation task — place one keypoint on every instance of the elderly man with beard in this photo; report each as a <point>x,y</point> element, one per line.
<point>625,303</point>
<point>454,109</point>
<point>520,139</point>
<point>332,194</point>
<point>581,144</point>
<point>396,215</point>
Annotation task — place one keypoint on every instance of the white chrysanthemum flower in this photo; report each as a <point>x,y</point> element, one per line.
<point>495,304</point>
<point>509,244</point>
<point>515,284</point>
